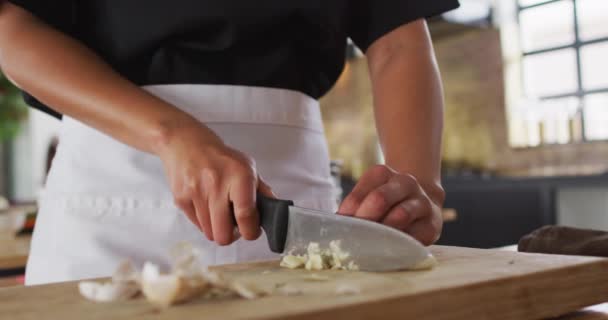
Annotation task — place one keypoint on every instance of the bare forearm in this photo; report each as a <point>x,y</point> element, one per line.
<point>70,78</point>
<point>408,102</point>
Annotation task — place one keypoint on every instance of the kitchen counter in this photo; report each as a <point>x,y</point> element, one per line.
<point>467,283</point>
<point>13,255</point>
<point>597,312</point>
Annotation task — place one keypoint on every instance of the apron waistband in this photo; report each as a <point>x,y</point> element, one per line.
<point>288,107</point>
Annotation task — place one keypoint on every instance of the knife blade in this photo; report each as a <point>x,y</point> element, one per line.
<point>371,245</point>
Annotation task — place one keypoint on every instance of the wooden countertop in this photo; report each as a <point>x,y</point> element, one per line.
<point>14,252</point>
<point>597,312</point>
<point>466,284</point>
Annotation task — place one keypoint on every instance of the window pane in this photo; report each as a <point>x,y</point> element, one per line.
<point>550,73</point>
<point>557,120</point>
<point>596,116</point>
<point>595,65</point>
<point>592,19</point>
<point>525,3</point>
<point>547,26</point>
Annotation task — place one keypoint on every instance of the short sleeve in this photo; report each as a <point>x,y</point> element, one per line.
<point>57,13</point>
<point>371,19</point>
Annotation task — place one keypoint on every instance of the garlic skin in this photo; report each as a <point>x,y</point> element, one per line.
<point>123,285</point>
<point>186,280</point>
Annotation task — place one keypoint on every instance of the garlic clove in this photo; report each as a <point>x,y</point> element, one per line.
<point>108,291</point>
<point>169,289</point>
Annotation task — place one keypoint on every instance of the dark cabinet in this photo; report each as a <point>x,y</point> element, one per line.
<point>494,213</point>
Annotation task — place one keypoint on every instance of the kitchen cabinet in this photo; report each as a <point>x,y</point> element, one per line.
<point>498,211</point>
<point>493,213</point>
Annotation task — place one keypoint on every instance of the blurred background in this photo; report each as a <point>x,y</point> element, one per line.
<point>526,123</point>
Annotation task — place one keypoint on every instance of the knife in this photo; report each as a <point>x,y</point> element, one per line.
<point>371,245</point>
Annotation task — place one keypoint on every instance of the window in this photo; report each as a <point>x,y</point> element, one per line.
<point>564,67</point>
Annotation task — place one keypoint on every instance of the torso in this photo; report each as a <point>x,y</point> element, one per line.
<point>297,44</point>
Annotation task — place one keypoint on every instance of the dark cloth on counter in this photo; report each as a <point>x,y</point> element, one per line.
<point>297,44</point>
<point>566,240</point>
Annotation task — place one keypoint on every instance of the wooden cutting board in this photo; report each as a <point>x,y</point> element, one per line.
<point>467,284</point>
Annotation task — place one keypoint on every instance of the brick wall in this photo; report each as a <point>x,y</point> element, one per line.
<point>476,131</point>
<point>476,122</point>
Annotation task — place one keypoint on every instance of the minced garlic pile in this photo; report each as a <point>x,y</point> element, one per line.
<point>316,259</point>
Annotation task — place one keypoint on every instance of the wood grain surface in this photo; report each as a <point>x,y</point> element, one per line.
<point>14,252</point>
<point>467,284</point>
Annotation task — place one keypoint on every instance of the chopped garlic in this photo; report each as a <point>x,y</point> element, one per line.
<point>425,264</point>
<point>293,262</point>
<point>352,266</point>
<point>313,248</point>
<point>315,262</point>
<point>316,259</point>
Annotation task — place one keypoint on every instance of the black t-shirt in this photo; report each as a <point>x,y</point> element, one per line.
<point>290,44</point>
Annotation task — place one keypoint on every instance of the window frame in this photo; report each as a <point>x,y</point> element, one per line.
<point>577,45</point>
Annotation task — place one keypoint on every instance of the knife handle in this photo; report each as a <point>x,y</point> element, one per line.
<point>274,216</point>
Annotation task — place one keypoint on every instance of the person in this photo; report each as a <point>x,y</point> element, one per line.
<point>175,111</point>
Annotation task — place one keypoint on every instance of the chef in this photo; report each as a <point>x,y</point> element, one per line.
<point>175,111</point>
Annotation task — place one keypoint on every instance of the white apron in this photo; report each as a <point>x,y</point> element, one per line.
<point>105,201</point>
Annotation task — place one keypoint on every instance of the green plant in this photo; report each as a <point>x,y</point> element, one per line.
<point>12,109</point>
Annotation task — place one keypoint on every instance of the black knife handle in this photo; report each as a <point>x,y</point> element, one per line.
<point>274,216</point>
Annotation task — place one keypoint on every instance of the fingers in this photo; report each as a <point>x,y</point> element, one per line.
<point>377,204</point>
<point>221,219</point>
<point>407,212</point>
<point>371,179</point>
<point>219,207</point>
<point>215,186</point>
<point>242,195</point>
<point>202,214</point>
<point>418,217</point>
<point>264,189</point>
<point>396,200</point>
<point>426,230</point>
